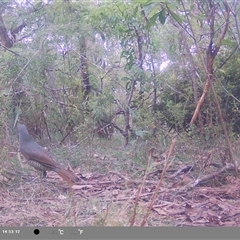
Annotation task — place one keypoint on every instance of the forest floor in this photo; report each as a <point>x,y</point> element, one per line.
<point>197,188</point>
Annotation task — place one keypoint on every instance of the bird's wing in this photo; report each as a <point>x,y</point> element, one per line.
<point>39,154</point>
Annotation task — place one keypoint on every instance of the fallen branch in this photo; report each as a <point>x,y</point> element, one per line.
<point>184,170</point>
<point>196,182</point>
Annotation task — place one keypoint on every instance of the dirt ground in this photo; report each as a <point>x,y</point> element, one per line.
<point>108,201</point>
<point>197,193</point>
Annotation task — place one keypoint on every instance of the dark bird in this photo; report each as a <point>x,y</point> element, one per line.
<point>39,158</point>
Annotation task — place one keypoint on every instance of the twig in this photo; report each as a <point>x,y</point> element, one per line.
<point>140,189</point>
<point>154,196</point>
<point>207,177</point>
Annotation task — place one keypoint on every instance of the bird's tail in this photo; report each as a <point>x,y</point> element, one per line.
<point>71,178</point>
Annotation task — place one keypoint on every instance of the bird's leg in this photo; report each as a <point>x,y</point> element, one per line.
<point>44,173</point>
<point>41,175</point>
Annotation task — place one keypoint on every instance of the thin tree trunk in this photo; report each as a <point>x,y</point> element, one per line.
<point>6,41</point>
<point>84,67</point>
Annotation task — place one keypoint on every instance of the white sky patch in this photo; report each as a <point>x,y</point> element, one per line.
<point>164,65</point>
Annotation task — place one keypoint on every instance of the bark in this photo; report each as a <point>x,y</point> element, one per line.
<point>211,54</point>
<point>84,68</point>
<point>6,41</point>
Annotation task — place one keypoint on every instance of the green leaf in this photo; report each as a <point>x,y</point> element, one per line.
<point>135,11</point>
<point>162,16</point>
<point>38,5</point>
<point>133,142</point>
<point>228,42</point>
<point>139,133</point>
<point>128,86</point>
<point>132,112</point>
<point>17,114</point>
<point>176,16</point>
<point>124,79</point>
<point>222,71</point>
<point>144,2</point>
<point>152,20</point>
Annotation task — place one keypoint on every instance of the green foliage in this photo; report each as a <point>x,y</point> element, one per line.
<point>230,93</point>
<point>126,44</point>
